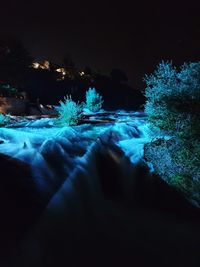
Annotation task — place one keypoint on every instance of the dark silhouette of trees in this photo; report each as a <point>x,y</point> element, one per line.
<point>88,71</point>
<point>68,62</point>
<point>14,62</point>
<point>118,76</point>
<point>116,94</point>
<point>70,68</point>
<point>49,85</point>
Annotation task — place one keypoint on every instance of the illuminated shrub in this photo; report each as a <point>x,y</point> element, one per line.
<point>93,100</point>
<point>4,119</point>
<point>69,112</point>
<point>173,98</point>
<point>178,163</point>
<point>173,105</point>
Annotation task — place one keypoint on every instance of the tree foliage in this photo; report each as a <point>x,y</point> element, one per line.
<point>173,105</point>
<point>173,98</point>
<point>118,76</point>
<point>14,62</point>
<point>93,100</point>
<point>69,112</point>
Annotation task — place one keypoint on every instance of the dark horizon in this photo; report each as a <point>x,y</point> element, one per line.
<point>132,37</point>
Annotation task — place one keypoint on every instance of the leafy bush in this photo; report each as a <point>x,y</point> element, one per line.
<point>173,98</point>
<point>173,105</point>
<point>69,112</point>
<point>178,163</point>
<point>93,100</point>
<point>4,119</point>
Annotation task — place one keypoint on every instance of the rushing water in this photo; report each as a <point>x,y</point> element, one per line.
<point>103,206</point>
<point>53,152</point>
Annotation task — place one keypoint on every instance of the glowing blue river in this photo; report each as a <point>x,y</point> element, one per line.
<point>52,151</point>
<point>100,209</point>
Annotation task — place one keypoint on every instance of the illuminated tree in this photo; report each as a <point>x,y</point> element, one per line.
<point>69,112</point>
<point>93,100</point>
<point>173,98</point>
<point>173,105</point>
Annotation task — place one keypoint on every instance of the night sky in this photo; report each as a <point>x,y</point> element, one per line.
<point>106,35</point>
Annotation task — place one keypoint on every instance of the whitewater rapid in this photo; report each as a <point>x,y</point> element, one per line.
<point>102,205</point>
<point>53,152</point>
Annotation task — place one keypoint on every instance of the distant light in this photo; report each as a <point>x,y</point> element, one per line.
<point>82,73</point>
<point>58,70</point>
<point>44,65</point>
<point>61,70</point>
<point>35,65</point>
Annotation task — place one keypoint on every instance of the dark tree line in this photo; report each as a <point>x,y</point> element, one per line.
<point>14,62</point>
<point>44,85</point>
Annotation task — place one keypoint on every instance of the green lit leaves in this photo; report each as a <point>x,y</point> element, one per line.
<point>69,112</point>
<point>93,100</point>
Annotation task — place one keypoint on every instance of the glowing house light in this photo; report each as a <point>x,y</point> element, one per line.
<point>62,72</point>
<point>35,65</point>
<point>82,73</point>
<point>44,65</point>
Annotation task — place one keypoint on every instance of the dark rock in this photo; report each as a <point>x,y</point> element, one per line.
<point>20,203</point>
